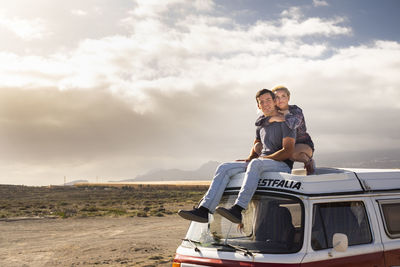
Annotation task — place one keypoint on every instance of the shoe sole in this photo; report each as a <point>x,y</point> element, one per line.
<point>226,214</point>
<point>191,217</point>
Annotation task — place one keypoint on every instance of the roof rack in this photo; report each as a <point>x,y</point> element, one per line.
<point>326,181</point>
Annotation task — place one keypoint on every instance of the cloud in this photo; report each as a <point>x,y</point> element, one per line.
<point>78,12</point>
<point>86,132</point>
<point>318,3</point>
<point>204,5</point>
<point>293,24</point>
<point>26,29</point>
<point>159,55</point>
<point>153,8</point>
<point>45,124</point>
<point>177,56</point>
<point>179,90</point>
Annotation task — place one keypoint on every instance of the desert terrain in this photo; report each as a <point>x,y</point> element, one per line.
<point>93,225</point>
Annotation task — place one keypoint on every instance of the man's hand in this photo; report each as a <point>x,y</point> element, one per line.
<point>288,144</point>
<point>277,118</point>
<point>245,160</point>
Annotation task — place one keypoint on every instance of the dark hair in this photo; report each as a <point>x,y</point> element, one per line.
<point>264,91</point>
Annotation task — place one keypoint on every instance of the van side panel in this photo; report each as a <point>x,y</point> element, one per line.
<point>364,260</point>
<point>391,250</point>
<point>227,263</point>
<point>391,243</point>
<point>392,257</point>
<point>362,255</point>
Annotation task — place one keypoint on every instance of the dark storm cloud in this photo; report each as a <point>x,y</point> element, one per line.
<point>49,125</point>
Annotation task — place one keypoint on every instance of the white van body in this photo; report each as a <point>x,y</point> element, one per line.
<point>337,217</point>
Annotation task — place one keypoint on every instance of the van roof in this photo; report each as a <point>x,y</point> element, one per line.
<point>326,181</point>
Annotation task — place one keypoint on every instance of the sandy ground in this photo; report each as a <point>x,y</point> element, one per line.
<point>150,241</point>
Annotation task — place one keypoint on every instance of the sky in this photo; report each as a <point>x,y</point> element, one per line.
<point>110,89</point>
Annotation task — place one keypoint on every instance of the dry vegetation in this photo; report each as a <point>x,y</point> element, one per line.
<point>100,200</point>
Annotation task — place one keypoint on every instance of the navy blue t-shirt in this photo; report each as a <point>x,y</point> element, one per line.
<point>271,135</point>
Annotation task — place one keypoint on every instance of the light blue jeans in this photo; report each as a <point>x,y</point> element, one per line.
<point>250,182</point>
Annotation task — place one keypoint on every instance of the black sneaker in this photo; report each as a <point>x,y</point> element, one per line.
<point>233,214</point>
<point>198,215</point>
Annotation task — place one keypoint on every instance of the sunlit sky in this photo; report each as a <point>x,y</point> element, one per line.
<point>112,89</point>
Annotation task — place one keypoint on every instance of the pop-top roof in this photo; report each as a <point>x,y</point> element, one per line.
<point>326,181</point>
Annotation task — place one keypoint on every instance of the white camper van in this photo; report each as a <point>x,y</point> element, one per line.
<point>337,217</point>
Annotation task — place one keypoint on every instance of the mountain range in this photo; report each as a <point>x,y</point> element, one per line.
<point>205,172</point>
<point>361,159</point>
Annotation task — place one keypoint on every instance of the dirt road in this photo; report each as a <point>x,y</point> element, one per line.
<point>150,241</point>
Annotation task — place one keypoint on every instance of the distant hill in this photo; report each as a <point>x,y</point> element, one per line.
<point>205,172</point>
<point>76,181</point>
<point>360,159</point>
<point>383,159</point>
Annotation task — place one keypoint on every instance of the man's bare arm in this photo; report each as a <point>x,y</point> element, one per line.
<point>286,151</point>
<point>253,154</point>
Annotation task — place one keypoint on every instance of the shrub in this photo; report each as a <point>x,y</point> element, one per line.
<point>142,214</point>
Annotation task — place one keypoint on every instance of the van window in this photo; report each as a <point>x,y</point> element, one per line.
<point>271,224</point>
<point>391,214</point>
<point>339,217</point>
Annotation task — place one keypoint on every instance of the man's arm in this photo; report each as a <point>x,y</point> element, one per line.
<point>286,151</point>
<point>253,153</point>
<point>277,118</point>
